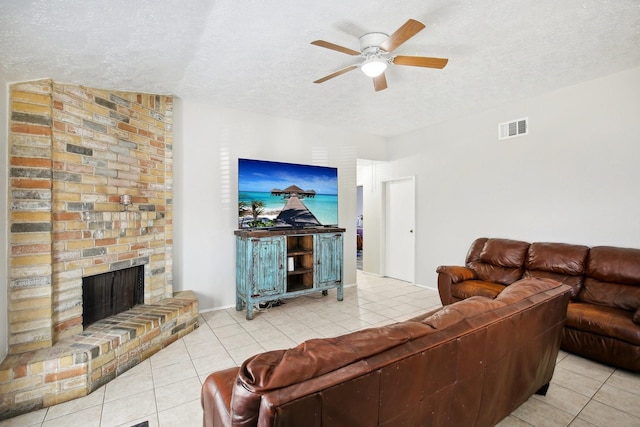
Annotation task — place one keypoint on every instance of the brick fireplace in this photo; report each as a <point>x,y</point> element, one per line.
<point>73,152</point>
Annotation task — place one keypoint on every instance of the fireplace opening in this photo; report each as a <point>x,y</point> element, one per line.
<point>110,293</point>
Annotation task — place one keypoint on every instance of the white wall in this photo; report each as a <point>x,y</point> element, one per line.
<point>4,227</point>
<point>575,178</point>
<point>207,144</point>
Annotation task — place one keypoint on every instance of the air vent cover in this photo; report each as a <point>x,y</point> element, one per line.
<point>513,128</point>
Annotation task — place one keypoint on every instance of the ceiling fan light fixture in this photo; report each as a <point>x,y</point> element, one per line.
<point>376,49</point>
<point>373,67</point>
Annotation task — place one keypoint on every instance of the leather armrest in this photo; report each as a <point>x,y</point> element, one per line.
<point>457,273</point>
<point>215,397</point>
<point>448,275</point>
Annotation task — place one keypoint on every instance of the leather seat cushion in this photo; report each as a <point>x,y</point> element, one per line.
<point>603,320</point>
<point>470,288</point>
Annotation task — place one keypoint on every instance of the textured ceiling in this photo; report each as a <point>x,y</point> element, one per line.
<point>254,55</point>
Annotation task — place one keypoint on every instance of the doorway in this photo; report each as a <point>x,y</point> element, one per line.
<point>359,228</point>
<point>399,234</point>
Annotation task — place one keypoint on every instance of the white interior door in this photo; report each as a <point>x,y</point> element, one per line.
<point>399,229</point>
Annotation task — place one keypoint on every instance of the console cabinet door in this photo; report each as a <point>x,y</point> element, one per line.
<point>328,257</point>
<point>267,272</point>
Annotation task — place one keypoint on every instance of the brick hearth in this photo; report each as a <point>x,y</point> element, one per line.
<point>78,365</point>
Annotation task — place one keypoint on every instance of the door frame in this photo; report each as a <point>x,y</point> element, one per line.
<point>383,225</point>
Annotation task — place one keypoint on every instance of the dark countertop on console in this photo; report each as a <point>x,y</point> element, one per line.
<point>275,231</point>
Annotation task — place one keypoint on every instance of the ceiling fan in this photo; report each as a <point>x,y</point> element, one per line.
<point>376,50</point>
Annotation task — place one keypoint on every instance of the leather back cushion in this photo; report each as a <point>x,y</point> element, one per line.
<point>525,288</point>
<point>473,255</point>
<point>461,310</point>
<point>499,260</point>
<point>613,277</point>
<point>475,305</point>
<point>558,261</point>
<point>280,368</point>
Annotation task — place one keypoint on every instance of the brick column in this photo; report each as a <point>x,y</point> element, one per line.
<point>30,186</point>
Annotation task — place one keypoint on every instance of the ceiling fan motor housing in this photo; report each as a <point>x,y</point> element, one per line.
<point>370,44</point>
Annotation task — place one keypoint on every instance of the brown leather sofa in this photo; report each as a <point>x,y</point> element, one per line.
<point>468,364</point>
<point>603,317</point>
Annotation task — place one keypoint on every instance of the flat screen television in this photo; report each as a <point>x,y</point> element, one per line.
<point>274,194</point>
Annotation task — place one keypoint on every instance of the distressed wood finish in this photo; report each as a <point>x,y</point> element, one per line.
<point>275,264</point>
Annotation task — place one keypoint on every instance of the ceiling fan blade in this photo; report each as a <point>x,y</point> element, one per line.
<point>420,61</point>
<point>402,34</point>
<point>380,82</point>
<point>336,74</point>
<point>333,46</point>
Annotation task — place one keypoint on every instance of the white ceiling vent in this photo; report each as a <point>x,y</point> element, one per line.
<point>513,128</point>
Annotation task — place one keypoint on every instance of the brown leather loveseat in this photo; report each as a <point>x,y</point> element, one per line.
<point>470,363</point>
<point>603,317</point>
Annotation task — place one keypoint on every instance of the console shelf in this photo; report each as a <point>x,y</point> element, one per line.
<point>274,264</point>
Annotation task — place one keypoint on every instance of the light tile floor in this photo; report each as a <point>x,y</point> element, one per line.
<point>165,389</point>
